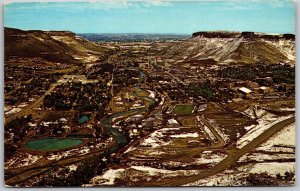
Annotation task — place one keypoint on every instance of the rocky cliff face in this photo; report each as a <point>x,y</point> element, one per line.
<point>235,47</point>
<point>55,46</point>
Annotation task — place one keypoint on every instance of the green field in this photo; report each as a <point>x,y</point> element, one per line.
<point>183,109</point>
<point>51,144</point>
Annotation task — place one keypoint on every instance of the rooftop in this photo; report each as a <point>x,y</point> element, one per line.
<point>245,90</point>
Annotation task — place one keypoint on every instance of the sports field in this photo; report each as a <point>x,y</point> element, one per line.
<point>183,109</point>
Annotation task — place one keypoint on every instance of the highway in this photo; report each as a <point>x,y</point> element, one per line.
<point>28,110</point>
<point>232,158</point>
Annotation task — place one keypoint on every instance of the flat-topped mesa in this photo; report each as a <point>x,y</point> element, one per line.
<point>60,33</point>
<point>289,36</point>
<point>245,34</point>
<point>16,32</point>
<point>268,36</point>
<point>217,34</point>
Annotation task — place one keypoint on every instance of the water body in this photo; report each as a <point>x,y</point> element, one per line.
<point>121,140</point>
<point>52,144</point>
<point>142,76</point>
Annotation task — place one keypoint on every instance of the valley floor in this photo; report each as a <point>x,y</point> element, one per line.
<point>135,117</point>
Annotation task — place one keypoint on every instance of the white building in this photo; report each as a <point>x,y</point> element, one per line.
<point>172,122</point>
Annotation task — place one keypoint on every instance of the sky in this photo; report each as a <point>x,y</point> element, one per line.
<point>154,16</point>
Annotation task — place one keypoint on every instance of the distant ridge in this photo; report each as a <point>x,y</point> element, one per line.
<point>245,34</point>
<point>132,37</point>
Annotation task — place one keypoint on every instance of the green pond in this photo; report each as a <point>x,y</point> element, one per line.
<point>183,109</point>
<point>51,144</point>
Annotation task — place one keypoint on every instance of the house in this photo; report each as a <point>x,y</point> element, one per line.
<point>172,122</point>
<point>134,132</point>
<point>236,100</point>
<point>63,120</point>
<point>245,92</point>
<point>263,89</point>
<point>202,107</point>
<point>66,128</point>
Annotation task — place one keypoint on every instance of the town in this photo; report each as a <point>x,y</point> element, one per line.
<point>139,114</point>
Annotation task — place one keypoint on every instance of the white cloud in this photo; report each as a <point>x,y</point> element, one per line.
<point>254,4</point>
<point>6,2</point>
<point>101,5</point>
<point>117,4</point>
<point>159,3</point>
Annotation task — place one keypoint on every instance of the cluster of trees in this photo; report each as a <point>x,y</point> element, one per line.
<point>102,71</point>
<point>83,97</point>
<point>284,74</point>
<point>176,94</point>
<point>37,86</point>
<point>209,91</point>
<point>203,90</point>
<point>17,129</point>
<point>86,170</point>
<point>56,100</point>
<point>243,73</point>
<point>281,73</point>
<point>126,77</point>
<point>9,150</point>
<point>263,179</point>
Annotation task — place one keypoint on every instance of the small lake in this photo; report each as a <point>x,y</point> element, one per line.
<point>52,144</point>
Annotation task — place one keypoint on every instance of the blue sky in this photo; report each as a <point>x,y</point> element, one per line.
<point>181,17</point>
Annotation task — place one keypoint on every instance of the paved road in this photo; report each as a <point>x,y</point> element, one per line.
<point>27,110</point>
<point>61,71</point>
<point>177,79</point>
<point>232,158</point>
<point>221,141</point>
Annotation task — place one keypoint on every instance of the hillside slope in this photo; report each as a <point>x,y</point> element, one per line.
<point>55,46</point>
<point>234,47</point>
